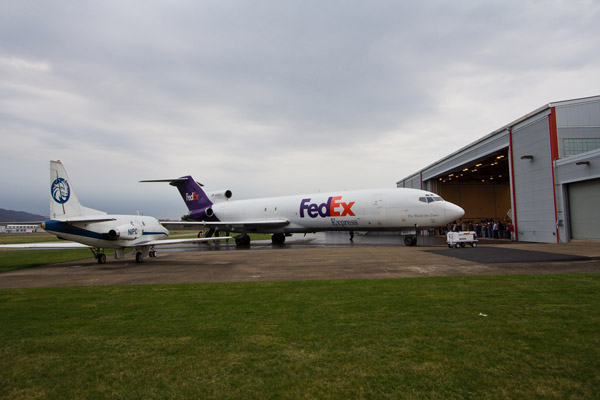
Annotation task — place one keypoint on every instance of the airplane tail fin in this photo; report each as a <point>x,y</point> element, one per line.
<point>191,192</point>
<point>63,200</point>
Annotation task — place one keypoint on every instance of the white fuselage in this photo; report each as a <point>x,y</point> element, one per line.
<point>357,210</point>
<point>121,231</point>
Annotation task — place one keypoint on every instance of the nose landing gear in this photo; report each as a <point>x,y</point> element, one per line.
<point>410,240</point>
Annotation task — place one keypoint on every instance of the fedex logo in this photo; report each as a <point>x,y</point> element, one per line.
<point>191,197</point>
<point>332,208</point>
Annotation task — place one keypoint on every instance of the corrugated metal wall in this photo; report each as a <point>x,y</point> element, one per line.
<point>533,181</point>
<point>584,198</point>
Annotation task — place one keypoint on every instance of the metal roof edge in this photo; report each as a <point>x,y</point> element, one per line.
<point>507,127</point>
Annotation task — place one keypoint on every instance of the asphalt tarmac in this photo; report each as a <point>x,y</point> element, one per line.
<point>329,256</point>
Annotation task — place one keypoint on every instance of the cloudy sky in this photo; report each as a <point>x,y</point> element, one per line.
<point>269,97</point>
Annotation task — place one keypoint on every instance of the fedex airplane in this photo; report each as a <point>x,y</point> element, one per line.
<point>356,210</point>
<point>97,230</point>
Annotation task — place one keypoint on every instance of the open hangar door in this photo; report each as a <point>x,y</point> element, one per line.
<point>584,217</point>
<point>480,187</point>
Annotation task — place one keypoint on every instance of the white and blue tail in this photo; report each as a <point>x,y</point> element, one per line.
<point>63,200</point>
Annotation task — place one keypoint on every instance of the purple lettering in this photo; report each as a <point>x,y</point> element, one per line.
<point>328,209</point>
<point>303,206</point>
<point>324,209</point>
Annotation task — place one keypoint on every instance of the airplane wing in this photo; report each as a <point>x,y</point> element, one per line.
<point>176,241</point>
<point>75,245</point>
<point>271,223</point>
<point>44,246</point>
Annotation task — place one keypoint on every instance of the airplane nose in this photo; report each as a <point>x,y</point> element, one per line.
<point>453,212</point>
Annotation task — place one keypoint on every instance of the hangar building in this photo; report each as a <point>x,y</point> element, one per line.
<point>541,171</point>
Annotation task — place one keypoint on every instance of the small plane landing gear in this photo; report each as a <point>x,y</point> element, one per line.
<point>139,257</point>
<point>410,240</point>
<point>152,253</point>
<point>278,238</point>
<point>242,240</point>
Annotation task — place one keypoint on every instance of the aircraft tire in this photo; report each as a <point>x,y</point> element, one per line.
<point>101,258</point>
<point>242,240</point>
<point>410,240</point>
<point>278,238</point>
<point>138,257</point>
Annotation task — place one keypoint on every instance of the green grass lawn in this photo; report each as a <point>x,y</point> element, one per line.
<point>16,259</point>
<point>375,339</point>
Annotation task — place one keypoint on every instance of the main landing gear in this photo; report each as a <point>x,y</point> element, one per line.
<point>278,238</point>
<point>139,254</point>
<point>242,240</point>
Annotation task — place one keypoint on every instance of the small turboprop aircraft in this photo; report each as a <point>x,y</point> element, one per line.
<point>356,210</point>
<point>97,230</point>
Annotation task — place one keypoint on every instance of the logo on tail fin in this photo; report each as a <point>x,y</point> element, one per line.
<point>191,197</point>
<point>60,190</point>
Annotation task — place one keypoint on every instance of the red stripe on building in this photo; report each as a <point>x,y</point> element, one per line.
<point>512,181</point>
<point>554,153</point>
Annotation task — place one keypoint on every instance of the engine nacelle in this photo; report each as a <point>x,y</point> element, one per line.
<point>127,231</point>
<point>202,214</point>
<point>219,195</point>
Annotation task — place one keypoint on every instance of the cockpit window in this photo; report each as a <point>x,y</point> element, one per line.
<point>429,198</point>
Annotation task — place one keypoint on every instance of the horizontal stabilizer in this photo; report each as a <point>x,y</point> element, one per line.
<point>174,180</point>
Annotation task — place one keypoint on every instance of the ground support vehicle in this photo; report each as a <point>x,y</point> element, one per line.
<point>461,239</point>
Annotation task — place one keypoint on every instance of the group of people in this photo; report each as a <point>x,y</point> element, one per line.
<point>489,228</point>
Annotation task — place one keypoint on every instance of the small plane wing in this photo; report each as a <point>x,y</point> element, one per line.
<point>44,246</point>
<point>75,245</point>
<point>238,224</point>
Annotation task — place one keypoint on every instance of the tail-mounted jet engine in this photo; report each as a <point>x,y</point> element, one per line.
<point>219,195</point>
<point>126,231</point>
<point>202,214</point>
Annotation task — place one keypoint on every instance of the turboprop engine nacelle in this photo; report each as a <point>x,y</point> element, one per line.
<point>219,195</point>
<point>125,232</point>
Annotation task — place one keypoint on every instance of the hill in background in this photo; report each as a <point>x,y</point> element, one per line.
<point>19,216</point>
